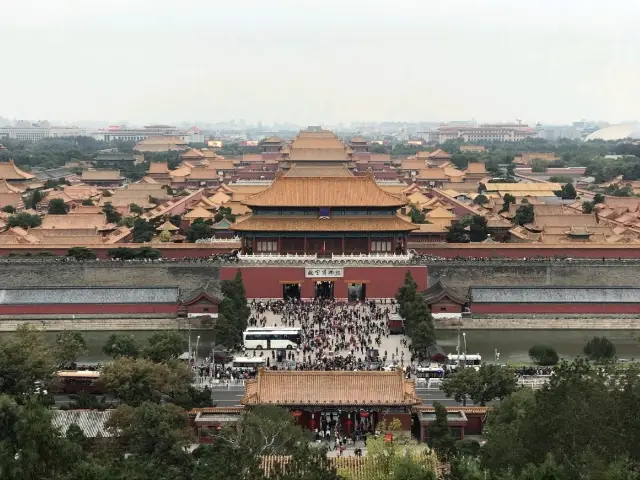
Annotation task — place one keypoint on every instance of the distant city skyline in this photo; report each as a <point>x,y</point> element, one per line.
<point>306,63</point>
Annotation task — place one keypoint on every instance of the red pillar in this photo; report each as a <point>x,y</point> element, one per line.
<point>305,245</point>
<point>368,244</point>
<point>279,245</point>
<point>343,245</point>
<point>393,244</point>
<point>254,245</point>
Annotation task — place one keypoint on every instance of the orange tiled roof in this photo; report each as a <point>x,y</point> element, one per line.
<point>8,188</point>
<point>476,167</point>
<point>202,173</point>
<point>412,164</point>
<point>324,192</point>
<point>432,174</point>
<point>158,167</point>
<point>100,175</point>
<point>9,171</point>
<point>335,224</point>
<point>73,221</point>
<point>366,388</point>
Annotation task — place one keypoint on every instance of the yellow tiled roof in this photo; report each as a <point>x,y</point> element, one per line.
<point>324,192</point>
<point>198,212</point>
<point>366,388</point>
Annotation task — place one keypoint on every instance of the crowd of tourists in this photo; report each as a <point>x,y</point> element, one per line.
<point>335,335</point>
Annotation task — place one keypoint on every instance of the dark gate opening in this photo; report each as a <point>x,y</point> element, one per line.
<point>357,292</point>
<point>291,291</point>
<point>324,289</point>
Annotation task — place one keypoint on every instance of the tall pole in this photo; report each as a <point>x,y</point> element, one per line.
<point>189,330</point>
<point>196,352</point>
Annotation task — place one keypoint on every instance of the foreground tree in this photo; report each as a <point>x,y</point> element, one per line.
<point>234,304</point>
<point>135,381</point>
<point>69,347</point>
<point>488,383</point>
<point>406,295</point>
<point>439,433</point>
<point>81,254</point>
<point>25,358</point>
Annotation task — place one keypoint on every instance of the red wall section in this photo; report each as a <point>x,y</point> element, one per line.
<point>530,308</point>
<point>77,309</point>
<point>523,250</point>
<point>381,282</point>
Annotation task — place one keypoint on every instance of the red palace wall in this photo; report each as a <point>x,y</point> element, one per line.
<point>381,282</point>
<point>523,250</point>
<point>445,307</point>
<point>531,308</point>
<point>78,309</point>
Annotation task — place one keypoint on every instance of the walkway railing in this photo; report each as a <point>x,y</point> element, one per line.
<point>376,258</point>
<point>211,382</point>
<point>534,382</point>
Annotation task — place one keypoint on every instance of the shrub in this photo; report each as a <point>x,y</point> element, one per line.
<point>600,348</point>
<point>543,355</point>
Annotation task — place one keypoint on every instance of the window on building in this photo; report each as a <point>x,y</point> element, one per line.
<point>380,246</point>
<point>205,309</point>
<point>267,246</point>
<point>443,309</point>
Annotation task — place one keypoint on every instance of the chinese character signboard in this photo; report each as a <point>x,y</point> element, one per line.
<point>324,272</point>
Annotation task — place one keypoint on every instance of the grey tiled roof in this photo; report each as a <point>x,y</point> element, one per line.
<point>555,294</point>
<point>91,422</point>
<point>95,295</point>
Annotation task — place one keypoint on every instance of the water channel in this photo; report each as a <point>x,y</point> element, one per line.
<point>512,345</point>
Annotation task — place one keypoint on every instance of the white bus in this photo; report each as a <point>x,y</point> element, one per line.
<point>272,338</point>
<point>433,370</point>
<point>241,363</point>
<point>468,360</point>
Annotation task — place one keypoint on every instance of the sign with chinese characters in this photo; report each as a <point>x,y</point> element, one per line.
<point>324,272</point>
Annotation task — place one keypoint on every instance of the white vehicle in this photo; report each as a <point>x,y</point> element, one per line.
<point>272,338</point>
<point>240,363</point>
<point>468,360</point>
<point>432,370</point>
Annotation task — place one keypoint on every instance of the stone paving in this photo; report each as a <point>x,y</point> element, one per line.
<point>390,343</point>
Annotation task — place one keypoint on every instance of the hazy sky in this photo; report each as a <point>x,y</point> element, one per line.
<point>315,62</point>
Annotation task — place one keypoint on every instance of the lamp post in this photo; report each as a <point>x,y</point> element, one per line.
<point>196,352</point>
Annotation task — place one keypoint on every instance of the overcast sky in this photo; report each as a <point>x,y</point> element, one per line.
<point>315,62</point>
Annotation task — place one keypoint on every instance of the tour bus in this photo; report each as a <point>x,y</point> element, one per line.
<point>78,381</point>
<point>241,363</point>
<point>432,370</point>
<point>467,360</point>
<point>272,338</point>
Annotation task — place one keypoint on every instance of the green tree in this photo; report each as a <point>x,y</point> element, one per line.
<point>598,198</point>
<point>543,355</point>
<point>478,231</point>
<point>87,202</point>
<point>9,209</point>
<point>157,436</point>
<point>439,433</point>
<point>560,179</point>
<point>234,304</point>
<point>112,215</point>
<point>539,166</point>
<point>128,221</point>
<point>107,194</point>
<point>600,348</point>
<point>416,215</point>
<point>488,383</point>
<point>143,231</point>
<point>164,346</point>
<point>508,199</point>
<point>567,191</point>
<point>198,229</point>
<point>81,253</point>
<point>25,357</point>
<point>481,200</point>
<point>135,208</point>
<point>24,220</point>
<point>70,346</point>
<point>406,294</point>
<point>135,381</point>
<point>121,345</point>
<point>226,332</point>
<point>33,201</point>
<point>306,463</point>
<point>525,214</point>
<point>465,468</point>
<point>587,207</point>
<point>58,207</point>
<point>31,448</point>
<point>165,236</point>
<point>422,336</point>
<point>481,188</point>
<point>224,460</point>
<point>266,430</point>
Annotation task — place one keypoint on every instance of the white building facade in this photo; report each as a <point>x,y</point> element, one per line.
<point>35,133</point>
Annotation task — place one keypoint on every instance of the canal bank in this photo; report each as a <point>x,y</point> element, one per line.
<point>512,345</point>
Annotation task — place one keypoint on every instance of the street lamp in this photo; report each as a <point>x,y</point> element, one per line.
<point>196,352</point>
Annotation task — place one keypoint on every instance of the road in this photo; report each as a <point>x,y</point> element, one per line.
<point>224,397</point>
